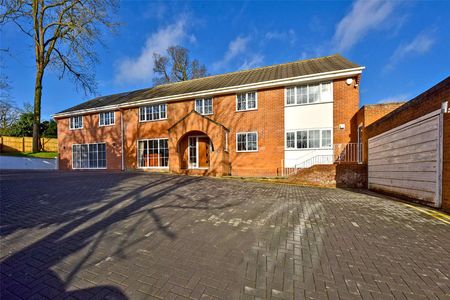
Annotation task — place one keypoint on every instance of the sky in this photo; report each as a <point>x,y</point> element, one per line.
<point>404,45</point>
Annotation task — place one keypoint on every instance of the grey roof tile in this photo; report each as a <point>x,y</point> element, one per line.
<point>293,69</point>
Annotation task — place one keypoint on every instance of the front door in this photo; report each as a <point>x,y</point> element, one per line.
<point>199,152</point>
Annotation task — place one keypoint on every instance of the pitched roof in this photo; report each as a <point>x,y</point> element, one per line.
<point>282,71</point>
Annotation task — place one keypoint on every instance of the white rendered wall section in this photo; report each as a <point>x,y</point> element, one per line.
<point>308,116</point>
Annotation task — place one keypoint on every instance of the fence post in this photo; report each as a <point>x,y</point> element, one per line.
<point>23,144</point>
<point>1,144</point>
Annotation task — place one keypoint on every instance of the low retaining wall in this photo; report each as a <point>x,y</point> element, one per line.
<point>336,175</point>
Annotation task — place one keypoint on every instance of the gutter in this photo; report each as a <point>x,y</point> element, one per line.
<point>225,90</point>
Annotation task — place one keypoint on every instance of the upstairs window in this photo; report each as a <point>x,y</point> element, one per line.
<point>247,142</point>
<point>153,112</point>
<point>307,94</point>
<point>309,139</point>
<point>106,118</point>
<point>76,122</point>
<point>204,106</point>
<point>246,101</point>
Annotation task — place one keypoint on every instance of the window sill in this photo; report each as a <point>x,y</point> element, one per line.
<point>89,168</point>
<point>146,121</point>
<point>244,110</point>
<point>153,167</point>
<point>75,128</point>
<point>107,125</point>
<point>307,104</point>
<point>246,151</point>
<point>306,149</point>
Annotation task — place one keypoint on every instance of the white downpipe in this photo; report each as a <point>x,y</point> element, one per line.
<point>122,141</point>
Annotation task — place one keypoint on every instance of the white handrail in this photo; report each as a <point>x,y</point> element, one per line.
<point>342,153</point>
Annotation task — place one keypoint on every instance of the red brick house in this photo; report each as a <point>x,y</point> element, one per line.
<point>252,123</point>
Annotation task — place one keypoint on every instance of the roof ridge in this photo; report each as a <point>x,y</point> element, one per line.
<point>248,70</point>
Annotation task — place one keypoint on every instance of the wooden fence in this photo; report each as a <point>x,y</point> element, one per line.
<point>25,144</point>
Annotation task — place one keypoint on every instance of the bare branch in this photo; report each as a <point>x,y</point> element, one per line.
<point>178,63</point>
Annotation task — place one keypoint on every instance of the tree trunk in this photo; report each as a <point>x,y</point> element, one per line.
<point>37,109</point>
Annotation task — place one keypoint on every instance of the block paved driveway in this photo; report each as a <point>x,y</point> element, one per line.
<point>99,235</point>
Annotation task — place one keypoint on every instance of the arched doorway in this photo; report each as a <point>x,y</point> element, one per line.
<point>195,150</point>
<point>198,145</point>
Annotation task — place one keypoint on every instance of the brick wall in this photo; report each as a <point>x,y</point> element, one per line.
<point>421,105</point>
<point>267,120</point>
<point>367,115</point>
<point>345,107</point>
<point>90,133</point>
<point>335,175</point>
<point>446,165</point>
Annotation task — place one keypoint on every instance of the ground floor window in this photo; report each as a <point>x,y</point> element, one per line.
<point>247,141</point>
<point>309,139</point>
<point>89,156</point>
<point>153,153</point>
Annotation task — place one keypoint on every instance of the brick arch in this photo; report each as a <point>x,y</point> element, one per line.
<point>190,133</point>
<point>218,134</point>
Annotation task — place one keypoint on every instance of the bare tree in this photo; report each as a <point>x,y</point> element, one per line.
<point>9,114</point>
<point>176,66</point>
<point>64,33</point>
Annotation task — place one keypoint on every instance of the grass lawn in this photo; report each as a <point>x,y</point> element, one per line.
<point>32,154</point>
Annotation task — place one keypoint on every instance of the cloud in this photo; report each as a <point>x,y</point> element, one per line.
<point>421,44</point>
<point>288,36</point>
<point>140,68</point>
<point>365,15</point>
<point>253,61</point>
<point>236,47</point>
<point>397,98</point>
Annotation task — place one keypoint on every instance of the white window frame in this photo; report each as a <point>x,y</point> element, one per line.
<point>307,139</point>
<point>88,168</point>
<point>246,133</point>
<point>145,114</point>
<point>76,128</point>
<point>246,101</point>
<point>104,113</point>
<point>307,93</point>
<point>203,106</point>
<point>159,162</point>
